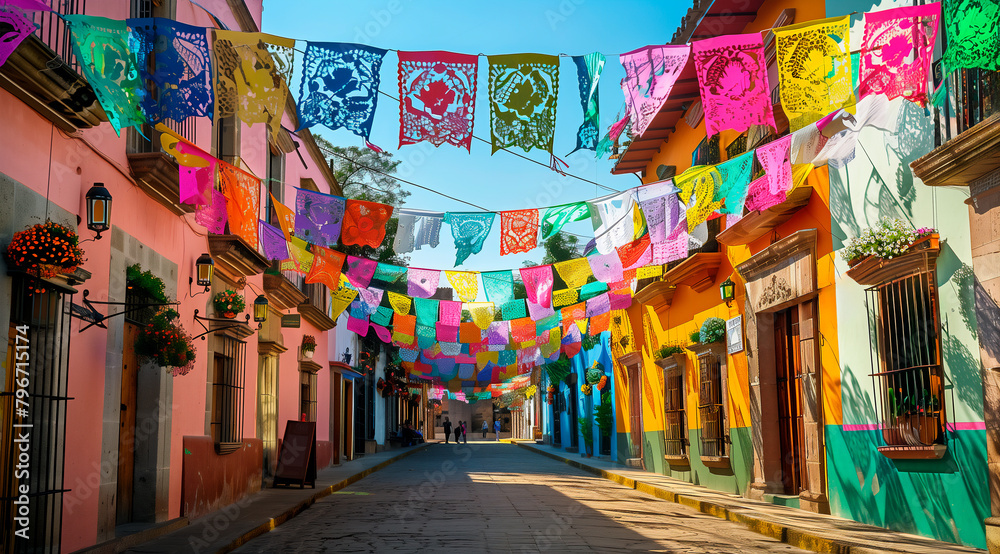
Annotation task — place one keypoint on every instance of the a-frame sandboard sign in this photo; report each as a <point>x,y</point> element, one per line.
<point>297,458</point>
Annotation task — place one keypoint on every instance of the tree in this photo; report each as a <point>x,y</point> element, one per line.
<point>364,174</point>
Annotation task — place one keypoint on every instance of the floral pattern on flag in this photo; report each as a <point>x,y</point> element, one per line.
<point>364,223</point>
<point>897,52</point>
<point>732,76</point>
<point>523,92</point>
<point>248,83</point>
<point>182,75</point>
<point>650,74</point>
<point>437,97</point>
<point>518,231</point>
<point>340,86</point>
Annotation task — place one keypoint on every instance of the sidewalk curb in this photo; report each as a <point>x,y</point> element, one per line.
<point>794,536</point>
<point>301,506</point>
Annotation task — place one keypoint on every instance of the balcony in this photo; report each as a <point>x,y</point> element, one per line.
<point>283,288</point>
<point>42,73</point>
<point>316,308</point>
<point>967,141</point>
<point>234,258</point>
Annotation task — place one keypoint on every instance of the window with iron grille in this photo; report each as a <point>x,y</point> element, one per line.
<point>307,395</point>
<point>907,377</point>
<point>227,394</point>
<point>37,360</point>
<point>707,152</point>
<point>675,426</point>
<point>737,147</point>
<point>710,408</point>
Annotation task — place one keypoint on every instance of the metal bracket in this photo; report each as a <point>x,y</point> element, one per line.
<point>208,331</point>
<point>89,312</point>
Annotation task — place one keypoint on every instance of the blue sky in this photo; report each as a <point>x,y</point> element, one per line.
<point>501,181</point>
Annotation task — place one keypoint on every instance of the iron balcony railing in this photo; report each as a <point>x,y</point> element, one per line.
<point>675,435</point>
<point>54,33</point>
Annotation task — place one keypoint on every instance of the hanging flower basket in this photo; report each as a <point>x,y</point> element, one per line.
<point>45,251</point>
<point>228,304</point>
<point>602,383</point>
<point>165,342</point>
<point>888,239</point>
<point>308,346</point>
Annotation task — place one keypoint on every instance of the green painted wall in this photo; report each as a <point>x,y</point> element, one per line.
<point>734,480</point>
<point>946,499</point>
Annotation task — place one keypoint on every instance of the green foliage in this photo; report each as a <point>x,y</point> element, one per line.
<point>920,402</point>
<point>588,342</point>
<point>166,342</point>
<point>695,336</point>
<point>713,330</point>
<point>604,414</point>
<point>595,373</point>
<point>145,284</point>
<point>668,350</point>
<point>229,301</point>
<point>887,239</point>
<point>587,428</point>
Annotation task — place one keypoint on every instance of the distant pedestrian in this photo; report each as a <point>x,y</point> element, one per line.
<point>465,436</point>
<point>447,429</point>
<point>496,427</point>
<point>486,429</point>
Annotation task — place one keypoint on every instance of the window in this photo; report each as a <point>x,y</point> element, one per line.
<point>226,141</point>
<point>227,394</point>
<point>737,147</point>
<point>673,406</point>
<point>267,409</point>
<point>710,408</point>
<point>908,380</point>
<point>275,182</point>
<point>307,396</point>
<point>37,359</point>
<point>707,152</point>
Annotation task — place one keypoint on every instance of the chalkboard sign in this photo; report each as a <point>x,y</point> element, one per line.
<point>297,459</point>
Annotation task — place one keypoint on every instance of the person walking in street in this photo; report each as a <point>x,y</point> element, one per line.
<point>496,427</point>
<point>447,429</point>
<point>486,429</point>
<point>465,435</point>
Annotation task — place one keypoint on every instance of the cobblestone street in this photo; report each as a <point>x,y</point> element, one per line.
<point>500,498</point>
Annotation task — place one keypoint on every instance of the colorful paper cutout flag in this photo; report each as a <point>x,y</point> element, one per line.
<point>446,333</point>
<point>735,175</point>
<point>428,227</point>
<point>591,290</point>
<point>814,69</point>
<point>607,267</point>
<point>650,74</point>
<point>600,323</point>
<point>598,305</point>
<point>574,272</point>
<point>388,273</point>
<point>482,313</point>
<point>357,325</point>
<point>340,86</point>
<point>400,303</point>
<point>242,192</point>
<point>698,189</point>
<point>973,32</point>
<point>248,82</point>
<point>16,27</point>
<point>470,333</point>
<point>636,253</point>
<point>403,243</point>
<point>499,286</point>
<point>382,316</point>
<point>340,299</point>
<point>213,216</point>
<point>588,73</point>
<point>523,92</point>
<point>564,297</point>
<point>649,272</point>
<point>659,205</point>
<point>194,182</point>
<point>326,269</point>
<point>318,217</point>
<point>422,283</point>
<point>518,231</point>
<point>360,271</point>
<point>301,259</point>
<point>286,217</point>
<point>732,77</point>
<point>617,220</point>
<point>469,230</point>
<point>450,312</point>
<point>760,197</point>
<point>426,311</point>
<point>897,50</point>
<point>276,247</point>
<point>111,68</point>
<point>675,247</point>
<point>557,217</point>
<point>464,283</point>
<point>522,329</point>
<point>364,223</point>
<point>382,333</point>
<point>405,324</point>
<point>774,158</point>
<point>538,284</point>
<point>181,77</point>
<point>368,298</point>
<point>437,97</point>
<point>514,309</point>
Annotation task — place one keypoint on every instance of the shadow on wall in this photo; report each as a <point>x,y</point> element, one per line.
<point>914,134</point>
<point>989,322</point>
<point>944,499</point>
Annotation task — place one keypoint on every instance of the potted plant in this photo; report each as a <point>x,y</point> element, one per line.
<point>602,383</point>
<point>671,351</point>
<point>594,373</point>
<point>586,389</point>
<point>145,284</point>
<point>587,430</point>
<point>915,416</point>
<point>713,330</point>
<point>551,393</point>
<point>45,250</point>
<point>308,345</point>
<point>888,239</point>
<point>165,341</point>
<point>604,415</point>
<point>228,303</point>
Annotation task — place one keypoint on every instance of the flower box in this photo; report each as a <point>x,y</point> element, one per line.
<point>874,270</point>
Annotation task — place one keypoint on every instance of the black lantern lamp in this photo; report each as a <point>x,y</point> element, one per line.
<point>260,309</point>
<point>205,266</point>
<point>98,209</point>
<point>728,291</point>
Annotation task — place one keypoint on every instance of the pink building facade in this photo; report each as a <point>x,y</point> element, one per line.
<point>119,444</point>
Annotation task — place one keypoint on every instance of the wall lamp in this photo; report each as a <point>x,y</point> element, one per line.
<point>204,267</point>
<point>727,290</point>
<point>98,209</point>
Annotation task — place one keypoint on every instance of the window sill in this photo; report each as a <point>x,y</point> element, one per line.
<point>680,460</point>
<point>932,452</point>
<point>920,258</point>
<point>716,461</point>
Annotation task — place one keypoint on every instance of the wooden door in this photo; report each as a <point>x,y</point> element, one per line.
<point>788,374</point>
<point>635,408</point>
<point>126,424</point>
